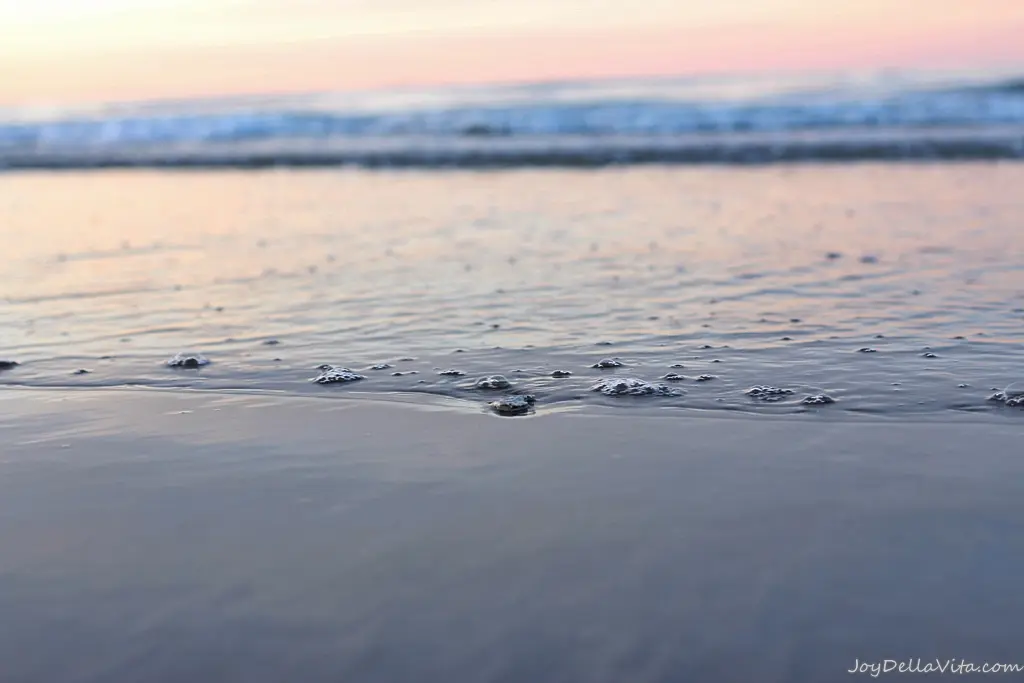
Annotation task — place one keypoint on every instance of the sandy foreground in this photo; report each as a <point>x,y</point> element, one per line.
<point>170,536</point>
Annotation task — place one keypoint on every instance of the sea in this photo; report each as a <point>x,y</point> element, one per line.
<point>684,379</point>
<point>841,244</point>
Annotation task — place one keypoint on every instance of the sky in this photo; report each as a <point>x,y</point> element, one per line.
<point>72,51</point>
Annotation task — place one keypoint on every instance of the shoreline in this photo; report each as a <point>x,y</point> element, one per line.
<point>625,407</point>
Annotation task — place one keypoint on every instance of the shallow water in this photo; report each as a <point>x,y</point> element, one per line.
<point>756,276</point>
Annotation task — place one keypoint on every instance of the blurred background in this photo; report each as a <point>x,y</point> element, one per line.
<point>87,51</point>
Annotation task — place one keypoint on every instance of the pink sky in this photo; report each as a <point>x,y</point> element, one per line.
<point>89,50</point>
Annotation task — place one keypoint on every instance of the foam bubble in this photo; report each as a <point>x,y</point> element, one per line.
<point>673,377</point>
<point>382,366</point>
<point>451,373</point>
<point>330,374</point>
<point>1014,401</point>
<point>513,405</point>
<point>560,374</point>
<point>632,386</point>
<point>188,360</point>
<point>768,393</point>
<point>704,378</point>
<point>817,400</point>
<point>605,363</point>
<point>492,382</point>
<point>1015,390</point>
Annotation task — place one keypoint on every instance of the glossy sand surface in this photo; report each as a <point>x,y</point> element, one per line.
<point>162,536</point>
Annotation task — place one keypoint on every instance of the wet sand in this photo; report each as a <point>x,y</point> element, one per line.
<point>155,535</point>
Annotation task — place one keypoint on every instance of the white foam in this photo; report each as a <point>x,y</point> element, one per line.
<point>633,386</point>
<point>492,382</point>
<point>330,374</point>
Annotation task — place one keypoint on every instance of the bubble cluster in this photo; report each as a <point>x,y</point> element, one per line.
<point>768,393</point>
<point>492,382</point>
<point>1012,395</point>
<point>330,374</point>
<point>633,386</point>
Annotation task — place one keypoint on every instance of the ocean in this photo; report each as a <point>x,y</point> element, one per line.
<point>887,115</point>
<point>714,379</point>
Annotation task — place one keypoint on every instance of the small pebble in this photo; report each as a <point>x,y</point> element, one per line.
<point>929,354</point>
<point>704,378</point>
<point>271,342</point>
<point>673,377</point>
<point>513,405</point>
<point>81,371</point>
<point>867,349</point>
<point>382,366</point>
<point>452,373</point>
<point>8,364</point>
<point>188,360</point>
<point>605,363</point>
<point>817,400</point>
<point>559,374</point>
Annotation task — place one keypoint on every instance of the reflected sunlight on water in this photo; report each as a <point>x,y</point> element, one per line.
<point>784,271</point>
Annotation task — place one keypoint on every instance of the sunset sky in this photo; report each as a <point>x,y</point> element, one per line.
<point>91,50</point>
